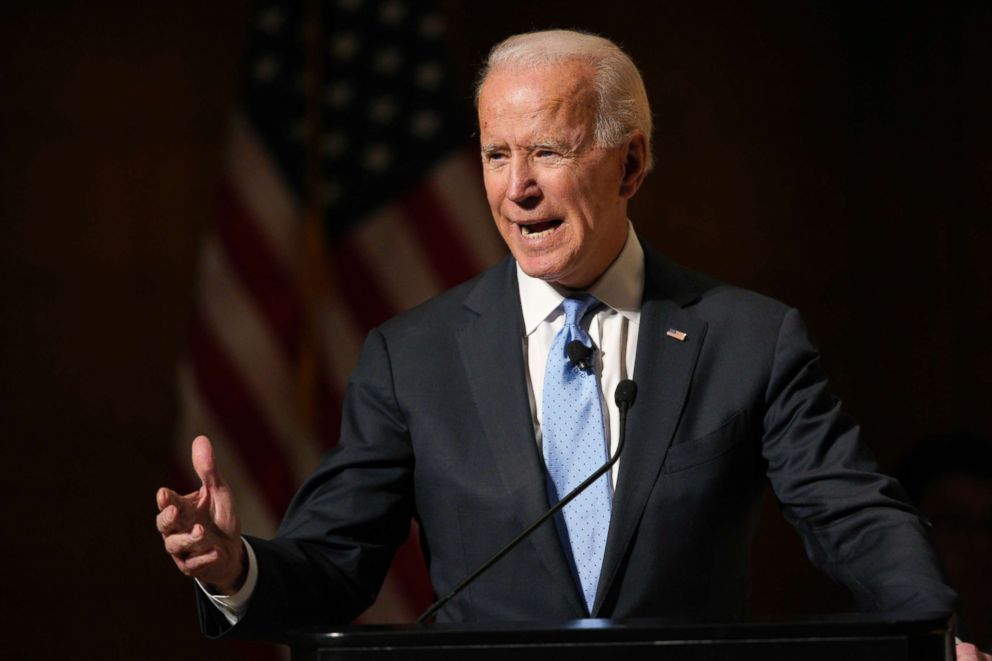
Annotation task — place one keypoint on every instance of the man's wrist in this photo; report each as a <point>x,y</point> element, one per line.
<point>234,605</point>
<point>232,587</point>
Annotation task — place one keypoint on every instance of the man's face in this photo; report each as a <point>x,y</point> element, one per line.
<point>556,197</point>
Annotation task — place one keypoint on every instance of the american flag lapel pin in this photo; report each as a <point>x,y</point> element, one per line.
<point>677,334</point>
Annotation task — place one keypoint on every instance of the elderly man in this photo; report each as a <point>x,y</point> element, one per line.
<point>472,413</point>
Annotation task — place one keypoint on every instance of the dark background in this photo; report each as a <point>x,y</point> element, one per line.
<point>832,155</point>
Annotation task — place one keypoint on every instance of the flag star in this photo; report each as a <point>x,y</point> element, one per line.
<point>424,124</point>
<point>377,158</point>
<point>392,12</point>
<point>269,20</point>
<point>387,60</point>
<point>382,110</point>
<point>338,95</point>
<point>333,144</point>
<point>428,75</point>
<point>344,46</point>
<point>431,26</point>
<point>266,68</point>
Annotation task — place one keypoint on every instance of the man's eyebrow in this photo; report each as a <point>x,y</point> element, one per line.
<point>549,142</point>
<point>555,144</point>
<point>559,145</point>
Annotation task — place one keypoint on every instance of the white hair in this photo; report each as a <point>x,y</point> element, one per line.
<point>621,100</point>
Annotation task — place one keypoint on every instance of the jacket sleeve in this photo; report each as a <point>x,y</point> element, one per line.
<point>857,524</point>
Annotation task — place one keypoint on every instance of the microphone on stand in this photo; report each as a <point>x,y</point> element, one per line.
<point>624,396</point>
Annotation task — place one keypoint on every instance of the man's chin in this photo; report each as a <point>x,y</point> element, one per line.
<point>554,274</point>
<point>547,274</point>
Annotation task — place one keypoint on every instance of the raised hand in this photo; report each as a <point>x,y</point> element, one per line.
<point>201,529</point>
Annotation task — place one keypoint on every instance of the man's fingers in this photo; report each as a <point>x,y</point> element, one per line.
<point>190,543</point>
<point>166,520</point>
<point>162,498</point>
<point>165,497</point>
<point>195,565</point>
<point>197,562</point>
<point>203,462</point>
<point>176,512</point>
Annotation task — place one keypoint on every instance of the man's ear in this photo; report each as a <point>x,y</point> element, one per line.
<point>635,163</point>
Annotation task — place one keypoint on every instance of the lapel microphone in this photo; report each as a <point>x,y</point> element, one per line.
<point>579,354</point>
<point>624,396</point>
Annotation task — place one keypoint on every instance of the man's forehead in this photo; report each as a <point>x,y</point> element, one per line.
<point>570,80</point>
<point>541,129</point>
<point>553,101</point>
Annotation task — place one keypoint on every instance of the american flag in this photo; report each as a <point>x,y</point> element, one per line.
<point>350,194</point>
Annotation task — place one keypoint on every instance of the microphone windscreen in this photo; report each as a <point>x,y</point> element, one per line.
<point>625,393</point>
<point>578,353</point>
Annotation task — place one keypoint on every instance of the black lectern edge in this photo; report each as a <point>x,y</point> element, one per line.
<point>593,630</point>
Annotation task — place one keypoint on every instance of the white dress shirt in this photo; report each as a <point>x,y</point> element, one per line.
<point>612,328</point>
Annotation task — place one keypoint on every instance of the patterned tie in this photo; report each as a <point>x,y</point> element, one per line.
<point>574,443</point>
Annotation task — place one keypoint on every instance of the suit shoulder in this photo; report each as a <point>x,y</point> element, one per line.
<point>731,300</point>
<point>712,297</point>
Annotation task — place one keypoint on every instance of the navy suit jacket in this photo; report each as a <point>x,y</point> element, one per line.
<point>437,427</point>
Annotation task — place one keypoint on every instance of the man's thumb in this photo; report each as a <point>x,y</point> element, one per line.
<point>203,462</point>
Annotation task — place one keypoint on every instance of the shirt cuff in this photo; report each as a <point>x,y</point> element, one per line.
<point>233,606</point>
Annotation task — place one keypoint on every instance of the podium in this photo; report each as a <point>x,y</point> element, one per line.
<point>875,637</point>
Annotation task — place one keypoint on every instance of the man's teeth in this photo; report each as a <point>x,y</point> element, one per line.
<point>538,230</point>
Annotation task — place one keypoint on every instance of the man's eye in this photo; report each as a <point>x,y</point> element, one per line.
<point>493,156</point>
<point>546,153</point>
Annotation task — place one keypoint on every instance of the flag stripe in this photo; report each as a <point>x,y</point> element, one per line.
<point>328,414</point>
<point>408,564</point>
<point>458,184</point>
<point>392,604</point>
<point>390,249</point>
<point>225,394</point>
<point>264,192</point>
<point>360,286</point>
<point>258,363</point>
<point>431,224</point>
<point>342,340</point>
<point>270,286</point>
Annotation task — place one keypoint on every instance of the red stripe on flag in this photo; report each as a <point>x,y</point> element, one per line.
<point>328,414</point>
<point>438,235</point>
<point>233,407</point>
<point>359,286</point>
<point>410,569</point>
<point>267,281</point>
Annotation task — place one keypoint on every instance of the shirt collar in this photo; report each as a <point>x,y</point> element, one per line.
<point>620,287</point>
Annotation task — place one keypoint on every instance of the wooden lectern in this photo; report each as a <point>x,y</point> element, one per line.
<point>835,638</point>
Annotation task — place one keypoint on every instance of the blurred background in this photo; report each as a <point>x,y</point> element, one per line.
<point>167,167</point>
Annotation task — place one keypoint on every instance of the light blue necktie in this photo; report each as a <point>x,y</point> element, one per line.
<point>574,444</point>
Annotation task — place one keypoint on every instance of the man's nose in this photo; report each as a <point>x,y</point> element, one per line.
<point>523,184</point>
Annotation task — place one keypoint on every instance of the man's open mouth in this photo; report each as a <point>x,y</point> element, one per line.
<point>536,230</point>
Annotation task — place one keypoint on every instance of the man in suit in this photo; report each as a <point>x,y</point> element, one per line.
<point>454,414</point>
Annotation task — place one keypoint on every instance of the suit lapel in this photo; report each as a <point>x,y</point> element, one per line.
<point>491,349</point>
<point>663,371</point>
